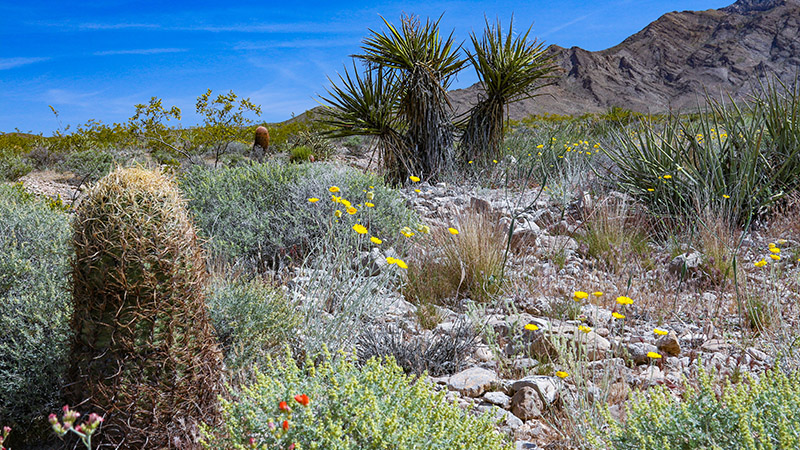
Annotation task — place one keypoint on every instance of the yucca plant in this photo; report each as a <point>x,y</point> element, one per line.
<point>425,65</point>
<point>401,98</point>
<point>364,105</point>
<point>510,68</point>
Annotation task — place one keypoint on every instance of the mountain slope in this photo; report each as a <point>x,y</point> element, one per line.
<point>672,61</point>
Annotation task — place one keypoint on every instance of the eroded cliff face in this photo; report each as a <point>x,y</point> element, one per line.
<point>672,62</point>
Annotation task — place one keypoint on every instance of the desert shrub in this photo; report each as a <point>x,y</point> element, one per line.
<point>441,353</point>
<point>259,214</point>
<point>251,318</point>
<point>144,355</point>
<point>446,266</point>
<point>374,406</point>
<point>615,235</point>
<point>300,153</point>
<point>89,165</point>
<point>34,322</point>
<point>763,413</point>
<point>12,167</point>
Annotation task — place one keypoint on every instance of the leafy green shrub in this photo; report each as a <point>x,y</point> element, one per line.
<point>12,167</point>
<point>90,164</point>
<point>258,214</point>
<point>300,153</point>
<point>370,407</point>
<point>36,307</point>
<point>763,414</point>
<point>251,319</point>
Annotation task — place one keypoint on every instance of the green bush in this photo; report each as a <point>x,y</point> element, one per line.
<point>251,319</point>
<point>763,414</point>
<point>300,153</point>
<point>371,407</point>
<point>34,322</point>
<point>90,165</point>
<point>259,214</point>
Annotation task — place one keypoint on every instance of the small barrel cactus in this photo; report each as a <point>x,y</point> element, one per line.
<point>144,353</point>
<point>262,138</point>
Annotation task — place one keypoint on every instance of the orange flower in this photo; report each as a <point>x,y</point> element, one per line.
<point>302,399</point>
<point>285,425</point>
<point>283,406</point>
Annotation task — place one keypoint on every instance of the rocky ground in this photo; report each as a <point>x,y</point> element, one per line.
<point>689,323</point>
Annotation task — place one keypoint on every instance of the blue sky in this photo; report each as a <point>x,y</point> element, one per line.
<point>97,59</point>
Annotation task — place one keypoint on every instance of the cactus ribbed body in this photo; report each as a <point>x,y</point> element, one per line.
<point>144,353</point>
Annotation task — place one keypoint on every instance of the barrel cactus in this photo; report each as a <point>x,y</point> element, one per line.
<point>261,138</point>
<point>143,354</point>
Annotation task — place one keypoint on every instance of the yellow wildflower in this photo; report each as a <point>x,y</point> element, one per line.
<point>375,240</point>
<point>531,327</point>
<point>413,178</point>
<point>405,231</point>
<point>580,295</point>
<point>390,260</point>
<point>782,241</point>
<point>775,250</point>
<point>624,300</point>
<point>334,189</point>
<point>360,229</point>
<point>775,257</point>
<point>650,190</point>
<point>351,210</point>
<point>597,294</point>
<point>561,374</point>
<point>401,264</point>
<point>424,229</point>
<point>617,315</point>
<point>338,213</point>
<point>667,177</point>
<point>584,328</point>
<point>369,205</point>
<point>653,355</point>
<point>313,199</point>
<point>761,263</point>
<point>452,231</point>
<point>660,332</point>
<point>726,196</point>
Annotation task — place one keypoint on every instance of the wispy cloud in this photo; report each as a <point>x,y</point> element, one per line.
<point>141,51</point>
<point>10,63</point>
<point>117,26</point>
<point>568,24</point>
<point>69,97</point>
<point>298,43</point>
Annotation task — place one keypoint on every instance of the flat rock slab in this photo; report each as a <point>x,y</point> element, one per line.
<point>545,386</point>
<point>472,382</point>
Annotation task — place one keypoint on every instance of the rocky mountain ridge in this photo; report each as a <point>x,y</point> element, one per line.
<point>672,62</point>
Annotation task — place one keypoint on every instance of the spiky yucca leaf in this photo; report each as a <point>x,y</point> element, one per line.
<point>510,69</point>
<point>424,64</point>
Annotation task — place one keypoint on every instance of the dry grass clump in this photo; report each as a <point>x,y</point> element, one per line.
<point>448,267</point>
<point>616,235</point>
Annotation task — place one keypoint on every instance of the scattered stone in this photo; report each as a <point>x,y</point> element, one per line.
<point>547,245</point>
<point>498,398</point>
<point>715,345</point>
<point>638,352</point>
<point>669,344</point>
<point>685,264</point>
<point>545,386</point>
<point>472,382</point>
<point>526,404</point>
